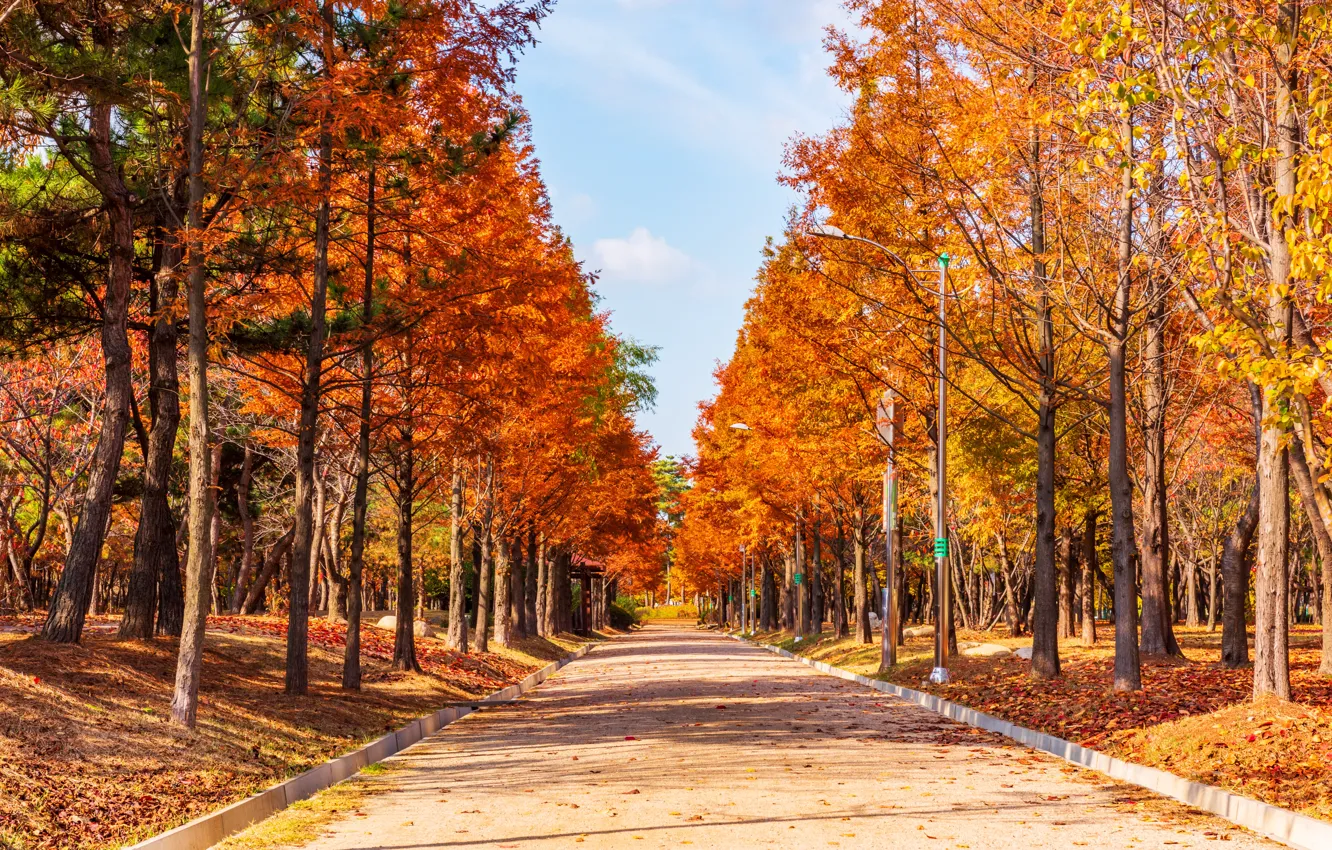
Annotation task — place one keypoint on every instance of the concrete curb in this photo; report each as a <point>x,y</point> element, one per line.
<point>203,832</point>
<point>1295,830</point>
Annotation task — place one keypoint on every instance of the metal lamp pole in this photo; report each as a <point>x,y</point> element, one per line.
<point>753,595</point>
<point>939,675</point>
<point>744,595</point>
<point>888,639</point>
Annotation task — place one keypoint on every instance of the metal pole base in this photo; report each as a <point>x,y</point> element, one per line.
<point>939,676</point>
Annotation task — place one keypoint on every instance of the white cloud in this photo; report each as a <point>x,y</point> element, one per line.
<point>640,258</point>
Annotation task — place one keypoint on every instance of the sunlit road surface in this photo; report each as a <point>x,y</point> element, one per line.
<point>675,737</point>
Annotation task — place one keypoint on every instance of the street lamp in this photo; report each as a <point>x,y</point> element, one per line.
<point>887,418</point>
<point>939,675</point>
<point>744,590</point>
<point>746,594</point>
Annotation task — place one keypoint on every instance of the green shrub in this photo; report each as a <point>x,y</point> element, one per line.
<point>622,618</point>
<point>669,612</point>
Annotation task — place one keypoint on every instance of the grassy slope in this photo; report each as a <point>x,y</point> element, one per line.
<point>1193,718</point>
<point>89,760</point>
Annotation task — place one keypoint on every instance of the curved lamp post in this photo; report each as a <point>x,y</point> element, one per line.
<point>939,675</point>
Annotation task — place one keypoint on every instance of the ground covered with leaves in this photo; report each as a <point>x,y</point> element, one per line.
<point>89,759</point>
<point>1193,717</point>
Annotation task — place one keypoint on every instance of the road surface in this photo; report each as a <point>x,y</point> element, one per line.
<point>673,737</point>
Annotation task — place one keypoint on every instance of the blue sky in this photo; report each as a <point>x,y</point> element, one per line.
<point>660,126</point>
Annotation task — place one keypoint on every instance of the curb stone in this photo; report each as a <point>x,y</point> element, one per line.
<point>1290,828</point>
<point>203,832</point>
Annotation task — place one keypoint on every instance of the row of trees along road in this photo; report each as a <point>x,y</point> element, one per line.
<point>333,210</point>
<point>1136,198</point>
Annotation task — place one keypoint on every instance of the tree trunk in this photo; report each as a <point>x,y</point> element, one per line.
<point>69,607</point>
<point>802,586</point>
<point>1068,556</point>
<point>1271,673</point>
<point>1192,613</point>
<point>254,597</point>
<point>532,577</point>
<point>155,539</point>
<point>564,590</point>
<point>1271,665</point>
<point>518,585</point>
<point>1089,570</point>
<point>815,577</point>
<point>788,592</point>
<point>215,524</point>
<point>1128,670</point>
<point>1046,593</point>
<point>404,638</point>
<point>477,533</point>
<point>485,566</point>
<point>544,620</point>
<point>769,600</point>
<point>351,656</point>
<point>1235,581</point>
<point>457,575</point>
<point>858,576</point>
<point>336,585</point>
<point>170,591</point>
<point>1158,632</point>
<point>246,571</point>
<point>840,627</point>
<point>504,635</point>
<point>22,576</point>
<point>1045,622</point>
<point>317,539</point>
<point>1213,598</point>
<point>201,563</point>
<point>298,614</point>
<point>1010,592</point>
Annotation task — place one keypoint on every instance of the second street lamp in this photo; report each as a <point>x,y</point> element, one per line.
<point>939,675</point>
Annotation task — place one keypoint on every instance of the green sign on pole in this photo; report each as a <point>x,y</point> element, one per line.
<point>941,547</point>
<point>753,592</point>
<point>799,578</point>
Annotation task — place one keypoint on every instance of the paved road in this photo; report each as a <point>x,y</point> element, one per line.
<point>673,737</point>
